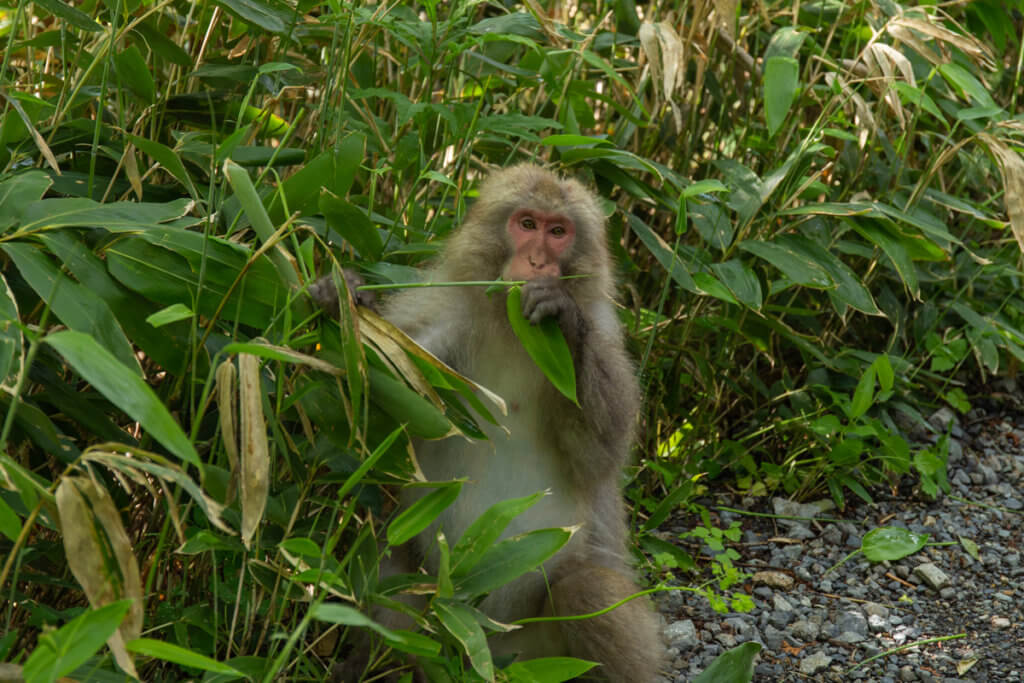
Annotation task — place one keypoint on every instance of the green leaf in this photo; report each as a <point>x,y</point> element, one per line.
<point>864,394</point>
<point>354,225</point>
<point>246,194</point>
<point>10,523</point>
<point>486,529</point>
<point>64,650</point>
<point>703,187</point>
<point>965,82</point>
<point>462,622</point>
<point>568,140</point>
<point>17,192</point>
<point>75,305</point>
<point>124,389</point>
<point>781,82</point>
<point>793,263</point>
<point>849,291</point>
<point>668,259</point>
<point>168,158</point>
<point>891,543</point>
<point>133,72</point>
<point>48,214</point>
<point>545,344</point>
<point>11,344</point>
<point>422,513</point>
<point>421,417</point>
<point>169,652</point>
<point>741,281</point>
<point>732,666</point>
<point>893,247</point>
<point>170,314</point>
<point>510,559</point>
<point>268,15</point>
<point>548,669</point>
<point>971,547</point>
<point>72,15</point>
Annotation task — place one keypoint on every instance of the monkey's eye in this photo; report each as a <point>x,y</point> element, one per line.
<point>558,231</point>
<point>528,224</point>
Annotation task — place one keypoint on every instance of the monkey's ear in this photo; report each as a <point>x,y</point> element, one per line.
<point>545,344</point>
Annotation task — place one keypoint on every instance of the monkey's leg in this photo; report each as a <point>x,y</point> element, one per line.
<point>626,641</point>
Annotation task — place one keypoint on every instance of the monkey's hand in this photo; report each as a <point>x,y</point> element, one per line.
<point>546,297</point>
<point>325,294</point>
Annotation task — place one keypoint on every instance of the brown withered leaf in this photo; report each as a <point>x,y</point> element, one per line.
<point>255,449</point>
<point>100,556</point>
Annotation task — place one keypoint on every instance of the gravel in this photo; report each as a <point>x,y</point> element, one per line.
<point>820,618</point>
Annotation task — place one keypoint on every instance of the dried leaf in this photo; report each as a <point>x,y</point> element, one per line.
<point>100,556</point>
<point>255,449</point>
<point>227,377</point>
<point>1012,167</point>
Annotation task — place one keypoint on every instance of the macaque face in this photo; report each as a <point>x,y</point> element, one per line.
<point>540,239</point>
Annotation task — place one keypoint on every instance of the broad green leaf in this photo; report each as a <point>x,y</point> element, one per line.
<point>168,348</point>
<point>64,650</point>
<point>703,187</point>
<point>567,140</point>
<point>124,389</point>
<point>849,291</point>
<point>170,652</point>
<point>75,305</point>
<point>168,158</point>
<point>133,72</point>
<point>891,543</point>
<point>712,222</point>
<point>11,345</point>
<point>354,225</point>
<point>170,314</point>
<point>343,615</point>
<point>965,82</point>
<point>781,81</point>
<point>71,14</point>
<point>17,192</point>
<point>300,191</point>
<point>875,232</point>
<point>886,376</point>
<point>548,669</point>
<point>970,546</point>
<point>268,16</point>
<point>422,513</point>
<point>421,417</point>
<point>413,643</point>
<point>545,344</point>
<point>732,666</point>
<point>794,264</point>
<point>510,559</point>
<point>668,259</point>
<point>708,284</point>
<point>486,529</point>
<point>10,523</point>
<point>247,196</point>
<point>741,281</point>
<point>49,214</point>
<point>462,622</point>
<point>864,394</point>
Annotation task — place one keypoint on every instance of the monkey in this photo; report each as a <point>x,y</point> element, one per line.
<point>530,224</point>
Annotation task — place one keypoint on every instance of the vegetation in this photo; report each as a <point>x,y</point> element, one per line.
<point>817,208</point>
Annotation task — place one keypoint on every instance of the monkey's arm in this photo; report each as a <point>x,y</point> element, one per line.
<point>605,383</point>
<point>325,293</point>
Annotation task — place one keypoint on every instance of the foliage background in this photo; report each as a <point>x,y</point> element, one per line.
<point>817,209</point>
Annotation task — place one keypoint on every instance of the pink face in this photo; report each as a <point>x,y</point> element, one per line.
<point>539,239</point>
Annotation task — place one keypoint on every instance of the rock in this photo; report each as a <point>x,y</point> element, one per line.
<point>789,508</point>
<point>942,418</point>
<point>774,579</point>
<point>852,621</point>
<point>814,663</point>
<point>681,635</point>
<point>931,575</point>
<point>1000,623</point>
<point>805,630</point>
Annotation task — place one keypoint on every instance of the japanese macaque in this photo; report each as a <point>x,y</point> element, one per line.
<point>530,224</point>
